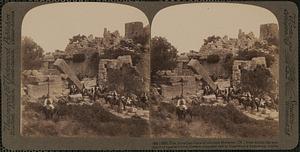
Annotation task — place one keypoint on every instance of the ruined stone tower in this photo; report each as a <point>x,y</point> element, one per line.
<point>133,29</point>
<point>269,32</point>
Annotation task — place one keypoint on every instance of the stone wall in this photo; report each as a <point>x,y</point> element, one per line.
<point>56,89</point>
<point>171,91</point>
<point>191,84</point>
<point>268,31</point>
<point>86,68</point>
<point>133,29</point>
<point>238,65</point>
<point>105,64</point>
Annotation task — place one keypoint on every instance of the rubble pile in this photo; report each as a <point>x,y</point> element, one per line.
<point>35,84</point>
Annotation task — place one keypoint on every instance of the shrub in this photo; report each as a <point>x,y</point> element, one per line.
<point>78,57</point>
<point>214,58</point>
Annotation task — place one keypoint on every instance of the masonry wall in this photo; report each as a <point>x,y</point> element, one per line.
<point>133,29</point>
<point>268,31</point>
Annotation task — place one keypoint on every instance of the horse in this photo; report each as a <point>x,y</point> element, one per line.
<point>113,100</point>
<point>48,111</point>
<point>258,103</point>
<point>246,102</point>
<point>123,101</point>
<point>183,112</point>
<point>144,101</point>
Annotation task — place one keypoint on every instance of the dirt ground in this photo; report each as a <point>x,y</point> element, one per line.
<point>209,122</point>
<point>83,121</point>
<point>91,121</point>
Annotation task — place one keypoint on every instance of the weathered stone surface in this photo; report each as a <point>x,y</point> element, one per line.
<point>268,31</point>
<point>259,61</point>
<point>238,65</point>
<point>40,90</point>
<point>133,29</point>
<point>125,59</point>
<point>222,84</point>
<point>89,82</point>
<point>198,68</point>
<point>64,67</point>
<point>171,91</point>
<point>209,98</point>
<point>76,97</point>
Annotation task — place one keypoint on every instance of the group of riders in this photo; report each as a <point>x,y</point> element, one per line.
<point>229,94</point>
<point>113,98</point>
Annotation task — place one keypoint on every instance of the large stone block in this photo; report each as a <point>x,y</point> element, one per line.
<point>64,67</point>
<point>199,69</point>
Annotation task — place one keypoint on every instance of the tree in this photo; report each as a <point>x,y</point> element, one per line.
<point>163,55</point>
<point>211,39</point>
<point>32,54</point>
<point>115,52</point>
<point>258,81</point>
<point>213,58</point>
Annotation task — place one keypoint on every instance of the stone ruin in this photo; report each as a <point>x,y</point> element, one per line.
<point>238,65</point>
<point>133,29</point>
<point>245,41</point>
<point>106,64</point>
<point>35,84</point>
<point>120,75</point>
<point>219,46</point>
<point>268,31</point>
<point>180,81</point>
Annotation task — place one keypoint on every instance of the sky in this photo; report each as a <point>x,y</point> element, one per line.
<point>52,25</point>
<point>185,26</point>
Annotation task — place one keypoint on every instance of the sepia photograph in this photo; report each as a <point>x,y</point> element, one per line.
<point>128,75</point>
<point>214,72</point>
<point>85,71</point>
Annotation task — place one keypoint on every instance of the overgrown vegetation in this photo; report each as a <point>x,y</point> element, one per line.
<point>78,57</point>
<point>213,58</point>
<point>215,121</point>
<point>258,81</point>
<point>81,121</point>
<point>32,54</point>
<point>163,55</point>
<point>125,47</point>
<point>249,54</point>
<point>211,39</point>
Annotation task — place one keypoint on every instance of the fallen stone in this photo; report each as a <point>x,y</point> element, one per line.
<point>209,98</point>
<point>64,67</point>
<point>76,97</point>
<point>199,69</point>
<point>132,109</point>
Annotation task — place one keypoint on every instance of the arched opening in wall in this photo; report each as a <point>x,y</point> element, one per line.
<point>200,36</point>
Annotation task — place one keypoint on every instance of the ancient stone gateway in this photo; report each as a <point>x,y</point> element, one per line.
<point>64,67</point>
<point>199,69</point>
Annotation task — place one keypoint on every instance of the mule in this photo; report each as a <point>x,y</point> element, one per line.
<point>182,113</point>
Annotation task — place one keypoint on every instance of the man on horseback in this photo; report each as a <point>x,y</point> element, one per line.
<point>181,104</point>
<point>144,100</point>
<point>48,107</point>
<point>181,108</point>
<point>227,94</point>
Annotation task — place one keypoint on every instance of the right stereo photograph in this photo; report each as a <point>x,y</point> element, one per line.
<point>214,72</point>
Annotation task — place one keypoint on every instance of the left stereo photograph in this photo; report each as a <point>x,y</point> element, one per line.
<point>85,73</point>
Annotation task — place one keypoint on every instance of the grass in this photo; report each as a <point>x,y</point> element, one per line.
<point>211,121</point>
<point>81,121</point>
<point>208,122</point>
